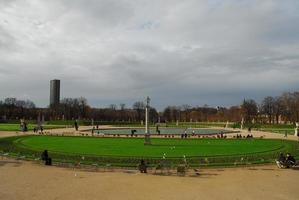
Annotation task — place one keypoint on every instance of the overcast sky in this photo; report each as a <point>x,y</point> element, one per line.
<point>178,52</point>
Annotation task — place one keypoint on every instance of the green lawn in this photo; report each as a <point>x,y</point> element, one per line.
<point>135,147</point>
<point>289,131</point>
<point>16,127</point>
<point>128,151</point>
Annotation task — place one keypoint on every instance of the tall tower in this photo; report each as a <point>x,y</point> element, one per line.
<point>54,92</point>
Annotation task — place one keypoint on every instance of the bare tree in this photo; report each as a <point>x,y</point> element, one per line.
<point>249,110</point>
<point>113,106</point>
<point>268,107</point>
<point>139,107</point>
<point>122,106</point>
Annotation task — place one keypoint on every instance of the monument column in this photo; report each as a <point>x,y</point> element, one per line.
<point>147,140</point>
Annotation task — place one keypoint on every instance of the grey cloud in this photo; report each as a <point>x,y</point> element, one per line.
<point>197,52</point>
<point>7,41</point>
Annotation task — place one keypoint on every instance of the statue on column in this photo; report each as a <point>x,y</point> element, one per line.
<point>242,123</point>
<point>23,125</point>
<point>147,140</point>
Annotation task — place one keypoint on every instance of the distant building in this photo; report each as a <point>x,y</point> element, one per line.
<point>54,92</point>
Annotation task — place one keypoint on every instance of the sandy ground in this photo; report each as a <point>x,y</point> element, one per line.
<point>72,132</point>
<point>29,180</point>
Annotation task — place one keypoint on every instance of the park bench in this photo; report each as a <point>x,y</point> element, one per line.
<point>162,166</point>
<point>182,169</point>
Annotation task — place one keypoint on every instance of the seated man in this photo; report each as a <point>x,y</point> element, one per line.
<point>142,167</point>
<point>45,157</point>
<point>290,161</point>
<point>281,161</point>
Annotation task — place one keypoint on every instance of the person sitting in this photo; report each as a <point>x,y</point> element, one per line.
<point>281,161</point>
<point>45,157</point>
<point>142,167</point>
<point>290,161</point>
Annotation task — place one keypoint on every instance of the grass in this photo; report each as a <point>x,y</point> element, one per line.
<point>128,151</point>
<point>274,128</point>
<point>163,131</point>
<point>135,147</point>
<point>16,127</point>
<point>278,130</point>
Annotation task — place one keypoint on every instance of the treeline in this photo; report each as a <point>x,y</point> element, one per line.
<point>281,109</point>
<point>12,108</point>
<point>71,109</point>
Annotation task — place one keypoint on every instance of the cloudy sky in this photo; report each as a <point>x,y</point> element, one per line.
<point>195,52</point>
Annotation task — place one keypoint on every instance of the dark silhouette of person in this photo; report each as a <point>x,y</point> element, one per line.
<point>45,157</point>
<point>158,130</point>
<point>290,160</point>
<point>25,127</point>
<point>281,161</point>
<point>76,125</point>
<point>133,132</point>
<point>142,167</point>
